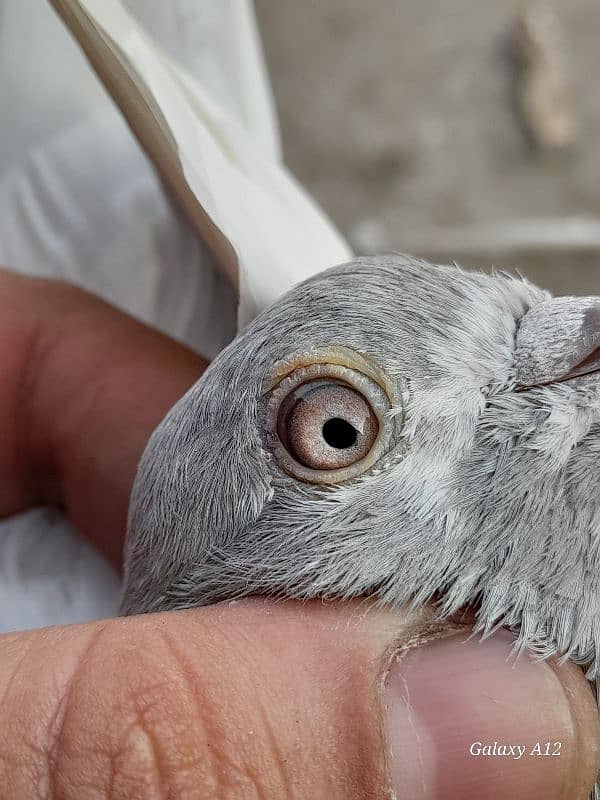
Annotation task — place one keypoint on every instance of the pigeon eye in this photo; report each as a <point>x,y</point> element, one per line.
<point>328,423</point>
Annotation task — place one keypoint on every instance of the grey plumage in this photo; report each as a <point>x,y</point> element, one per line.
<point>488,491</point>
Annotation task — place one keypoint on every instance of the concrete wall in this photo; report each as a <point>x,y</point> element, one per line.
<point>400,116</point>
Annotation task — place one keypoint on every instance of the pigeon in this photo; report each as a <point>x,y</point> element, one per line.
<point>394,429</point>
<point>391,428</point>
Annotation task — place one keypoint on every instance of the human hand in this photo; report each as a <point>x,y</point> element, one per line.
<point>254,699</point>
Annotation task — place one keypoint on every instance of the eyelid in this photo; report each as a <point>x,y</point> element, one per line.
<point>318,369</point>
<point>334,355</point>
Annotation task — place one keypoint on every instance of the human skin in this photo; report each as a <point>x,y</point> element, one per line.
<point>256,699</point>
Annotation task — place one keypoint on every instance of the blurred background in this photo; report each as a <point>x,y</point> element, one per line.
<point>464,131</point>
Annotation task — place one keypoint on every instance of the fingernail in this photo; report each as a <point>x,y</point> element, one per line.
<point>464,721</point>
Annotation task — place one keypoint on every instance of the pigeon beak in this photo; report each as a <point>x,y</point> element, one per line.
<point>558,340</point>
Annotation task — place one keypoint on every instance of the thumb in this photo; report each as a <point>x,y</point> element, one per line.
<point>285,700</point>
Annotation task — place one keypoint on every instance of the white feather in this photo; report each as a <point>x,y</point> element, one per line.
<point>267,233</point>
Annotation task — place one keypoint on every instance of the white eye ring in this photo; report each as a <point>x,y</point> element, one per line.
<point>365,399</point>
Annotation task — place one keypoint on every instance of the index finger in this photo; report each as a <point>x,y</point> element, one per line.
<point>82,387</point>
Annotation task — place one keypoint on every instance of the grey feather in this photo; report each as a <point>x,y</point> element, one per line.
<point>488,493</point>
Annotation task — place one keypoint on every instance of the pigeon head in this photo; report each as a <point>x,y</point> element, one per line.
<point>393,428</point>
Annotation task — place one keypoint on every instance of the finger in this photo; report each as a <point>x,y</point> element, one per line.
<point>272,701</point>
<point>82,387</point>
<point>486,728</point>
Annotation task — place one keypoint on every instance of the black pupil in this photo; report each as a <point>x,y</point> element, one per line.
<point>339,433</point>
